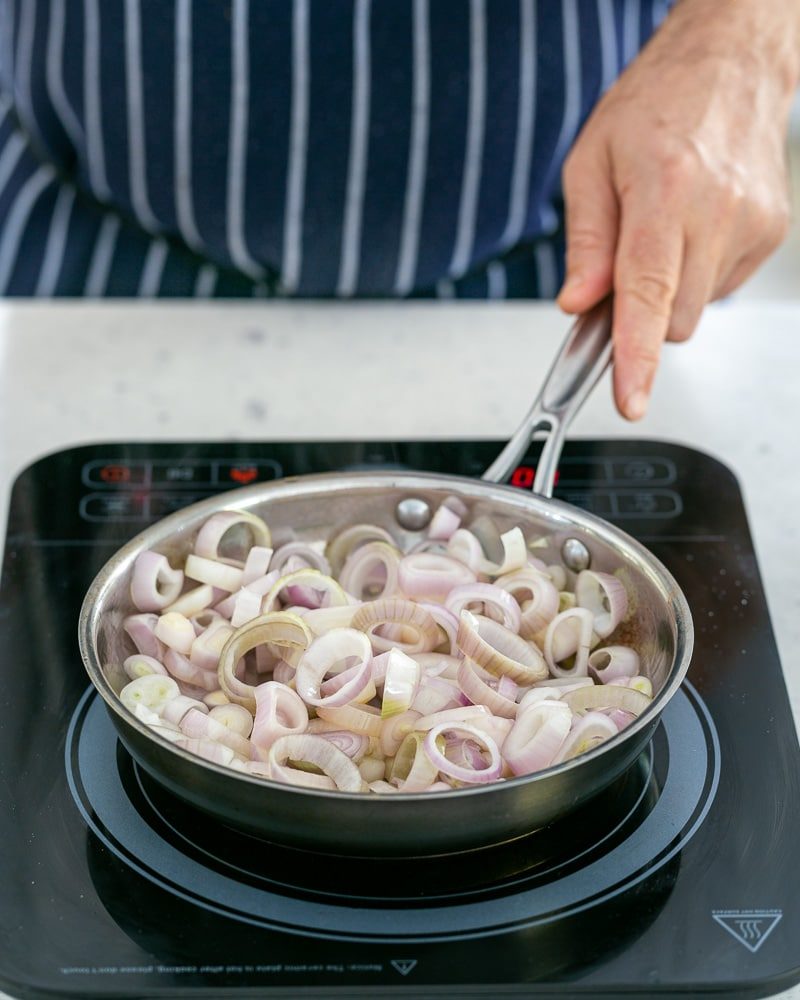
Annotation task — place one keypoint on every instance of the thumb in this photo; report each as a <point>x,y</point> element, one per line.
<point>592,225</point>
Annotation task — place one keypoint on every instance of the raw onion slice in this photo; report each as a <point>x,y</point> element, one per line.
<point>465,547</point>
<point>412,769</point>
<point>213,572</point>
<point>401,680</point>
<point>347,541</point>
<point>537,736</point>
<point>177,707</point>
<point>569,634</point>
<point>492,601</point>
<point>357,718</point>
<point>607,696</point>
<point>461,772</point>
<point>421,633</point>
<point>196,600</point>
<point>235,717</point>
<point>153,691</point>
<point>327,589</point>
<point>612,662</point>
<point>140,666</point>
<point>311,558</point>
<point>444,522</point>
<point>231,534</point>
<point>320,752</point>
<point>331,653</point>
<point>431,577</point>
<point>154,583</point>
<point>588,731</point>
<point>394,730</point>
<point>536,595</point>
<point>279,628</point>
<point>279,712</point>
<point>605,596</point>
<point>499,650</point>
<point>183,670</point>
<point>372,571</point>
<point>176,632</point>
<point>480,693</point>
<point>141,629</point>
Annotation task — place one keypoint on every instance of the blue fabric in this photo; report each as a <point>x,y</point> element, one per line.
<point>296,147</point>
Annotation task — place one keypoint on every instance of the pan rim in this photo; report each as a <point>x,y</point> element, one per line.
<point>332,482</point>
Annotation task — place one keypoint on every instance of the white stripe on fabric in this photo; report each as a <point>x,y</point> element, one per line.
<point>298,143</point>
<point>359,147</point>
<point>445,289</point>
<point>55,74</point>
<point>14,226</point>
<point>96,161</point>
<point>609,56</point>
<point>571,116</point>
<point>418,151</point>
<point>137,155</point>
<point>10,157</point>
<point>184,202</point>
<point>476,127</point>
<point>7,37</point>
<point>56,242</point>
<point>630,32</point>
<point>153,269</point>
<point>237,142</point>
<point>546,270</point>
<point>22,73</point>
<point>496,279</point>
<point>103,254</point>
<point>526,117</point>
<point>205,282</point>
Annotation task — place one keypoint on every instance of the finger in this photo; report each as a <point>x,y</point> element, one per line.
<point>647,273</point>
<point>592,222</point>
<point>696,286</point>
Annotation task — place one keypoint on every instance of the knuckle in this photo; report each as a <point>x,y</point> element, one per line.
<point>585,239</point>
<point>653,290</point>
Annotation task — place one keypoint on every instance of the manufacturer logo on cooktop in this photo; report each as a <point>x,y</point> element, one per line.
<point>404,965</point>
<point>750,927</point>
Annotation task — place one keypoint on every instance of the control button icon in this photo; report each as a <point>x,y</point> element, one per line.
<point>181,473</point>
<point>115,474</point>
<point>246,471</point>
<point>112,507</point>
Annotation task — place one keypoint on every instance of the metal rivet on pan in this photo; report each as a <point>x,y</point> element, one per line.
<point>575,555</point>
<point>413,514</point>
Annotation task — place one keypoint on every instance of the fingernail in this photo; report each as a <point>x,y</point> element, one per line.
<point>636,405</point>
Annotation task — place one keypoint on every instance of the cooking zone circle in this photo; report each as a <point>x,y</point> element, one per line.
<point>600,851</point>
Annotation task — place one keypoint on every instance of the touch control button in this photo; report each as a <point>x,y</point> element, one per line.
<point>182,474</point>
<point>112,507</point>
<point>116,474</point>
<point>245,472</point>
<point>651,503</point>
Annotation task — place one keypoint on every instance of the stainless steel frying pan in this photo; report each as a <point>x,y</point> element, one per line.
<point>310,507</point>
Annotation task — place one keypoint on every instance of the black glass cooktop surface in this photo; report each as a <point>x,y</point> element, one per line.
<point>681,879</point>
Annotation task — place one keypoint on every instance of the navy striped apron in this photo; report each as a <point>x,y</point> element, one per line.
<point>370,148</point>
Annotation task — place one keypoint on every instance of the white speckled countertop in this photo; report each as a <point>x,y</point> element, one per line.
<point>86,372</point>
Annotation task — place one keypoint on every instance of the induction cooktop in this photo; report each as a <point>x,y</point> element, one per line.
<point>680,880</point>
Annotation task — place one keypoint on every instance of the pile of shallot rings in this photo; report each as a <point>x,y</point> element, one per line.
<point>352,665</point>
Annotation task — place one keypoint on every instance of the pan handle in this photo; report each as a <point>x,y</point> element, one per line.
<point>584,356</point>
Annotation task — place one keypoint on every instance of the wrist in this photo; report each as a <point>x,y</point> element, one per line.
<point>762,34</point>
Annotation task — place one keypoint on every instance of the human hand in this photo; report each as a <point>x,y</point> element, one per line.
<point>676,188</point>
